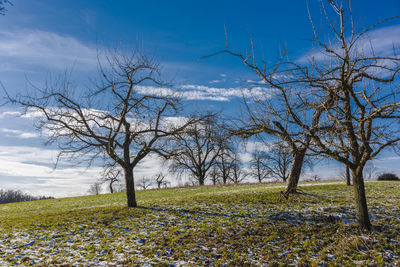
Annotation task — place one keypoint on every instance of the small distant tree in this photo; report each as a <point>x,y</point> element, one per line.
<point>160,180</point>
<point>370,171</point>
<point>278,161</point>
<point>144,183</point>
<point>238,174</point>
<point>111,175</point>
<point>120,187</point>
<point>315,177</point>
<point>196,149</point>
<point>227,146</point>
<point>257,165</point>
<point>215,175</point>
<point>95,189</point>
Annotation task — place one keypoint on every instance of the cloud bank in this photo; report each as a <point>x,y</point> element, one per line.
<point>25,50</point>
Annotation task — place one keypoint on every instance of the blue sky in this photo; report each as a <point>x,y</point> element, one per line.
<point>42,38</point>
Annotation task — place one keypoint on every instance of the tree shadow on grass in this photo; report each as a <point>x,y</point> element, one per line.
<point>281,216</point>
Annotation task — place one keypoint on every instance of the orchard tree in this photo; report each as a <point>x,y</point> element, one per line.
<point>196,149</point>
<point>111,175</point>
<point>227,146</point>
<point>278,112</point>
<point>257,165</point>
<point>95,189</point>
<point>340,102</point>
<point>278,161</point>
<point>161,180</point>
<point>113,119</point>
<point>238,174</point>
<point>215,175</point>
<point>144,183</point>
<point>363,119</point>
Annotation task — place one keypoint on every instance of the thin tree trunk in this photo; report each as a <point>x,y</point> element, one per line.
<point>295,171</point>
<point>111,188</point>
<point>361,200</point>
<point>348,175</point>
<point>130,187</point>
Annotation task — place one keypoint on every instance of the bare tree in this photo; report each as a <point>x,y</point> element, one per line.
<point>160,180</point>
<point>278,161</point>
<point>345,175</point>
<point>342,102</point>
<point>227,147</point>
<point>196,150</point>
<point>111,175</point>
<point>279,112</point>
<point>238,174</point>
<point>257,165</point>
<point>95,189</point>
<point>144,183</point>
<point>114,119</point>
<point>363,120</point>
<point>370,171</point>
<point>215,175</point>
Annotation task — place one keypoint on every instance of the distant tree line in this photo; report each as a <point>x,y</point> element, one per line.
<point>9,196</point>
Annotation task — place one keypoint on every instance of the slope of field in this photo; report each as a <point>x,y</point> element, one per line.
<point>239,225</point>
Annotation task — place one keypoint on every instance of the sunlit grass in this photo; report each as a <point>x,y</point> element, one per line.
<point>248,224</point>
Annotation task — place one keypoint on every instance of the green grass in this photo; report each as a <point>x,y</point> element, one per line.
<point>234,225</point>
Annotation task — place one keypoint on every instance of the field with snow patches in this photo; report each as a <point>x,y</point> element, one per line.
<point>234,225</point>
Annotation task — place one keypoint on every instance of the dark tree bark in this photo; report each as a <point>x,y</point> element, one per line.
<point>360,199</point>
<point>295,171</point>
<point>348,179</point>
<point>130,187</point>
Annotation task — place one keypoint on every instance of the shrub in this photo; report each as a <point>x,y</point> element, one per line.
<point>9,196</point>
<point>388,177</point>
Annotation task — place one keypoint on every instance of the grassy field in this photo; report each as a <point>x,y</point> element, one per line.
<point>235,225</point>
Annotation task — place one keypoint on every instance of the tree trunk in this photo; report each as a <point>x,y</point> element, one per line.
<point>201,180</point>
<point>111,188</point>
<point>348,175</point>
<point>295,171</point>
<point>224,177</point>
<point>361,200</point>
<point>130,187</point>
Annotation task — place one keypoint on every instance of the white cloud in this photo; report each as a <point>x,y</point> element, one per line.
<point>30,169</point>
<point>203,92</point>
<point>21,49</point>
<point>380,42</point>
<point>216,81</point>
<point>9,114</point>
<point>19,133</point>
